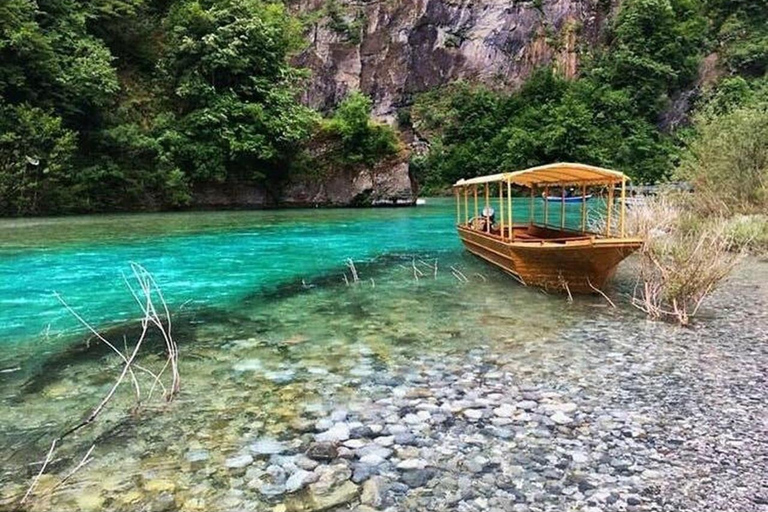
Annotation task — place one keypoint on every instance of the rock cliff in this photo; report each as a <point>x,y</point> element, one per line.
<point>391,49</point>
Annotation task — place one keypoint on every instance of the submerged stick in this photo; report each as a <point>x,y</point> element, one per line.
<point>460,273</point>
<point>353,270</point>
<point>40,473</point>
<point>598,290</point>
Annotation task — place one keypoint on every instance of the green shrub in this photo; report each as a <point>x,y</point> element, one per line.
<point>362,141</point>
<point>35,153</point>
<point>727,160</point>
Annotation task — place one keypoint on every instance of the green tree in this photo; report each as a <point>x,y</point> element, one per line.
<point>232,93</point>
<point>362,140</point>
<point>35,151</point>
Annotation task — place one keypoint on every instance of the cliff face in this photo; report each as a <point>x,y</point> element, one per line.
<point>391,49</point>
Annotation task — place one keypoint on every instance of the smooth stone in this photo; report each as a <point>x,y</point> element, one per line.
<point>505,411</point>
<point>412,464</point>
<point>342,495</point>
<point>385,440</point>
<point>323,424</point>
<point>337,433</point>
<point>526,405</point>
<point>417,477</point>
<point>405,439</point>
<point>560,418</point>
<point>354,444</point>
<point>361,431</point>
<point>271,490</point>
<point>299,480</point>
<point>374,492</point>
<point>473,414</point>
<point>372,459</point>
<point>239,461</point>
<point>579,457</point>
<point>322,451</point>
<point>304,462</point>
<point>339,415</point>
<point>374,449</point>
<point>267,446</point>
<point>197,456</point>
<point>363,472</point>
<point>248,365</point>
<point>280,376</point>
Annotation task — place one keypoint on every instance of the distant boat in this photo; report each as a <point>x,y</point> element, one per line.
<point>568,199</point>
<point>421,202</point>
<point>533,249</point>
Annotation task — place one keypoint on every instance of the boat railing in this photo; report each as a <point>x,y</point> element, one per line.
<point>542,181</point>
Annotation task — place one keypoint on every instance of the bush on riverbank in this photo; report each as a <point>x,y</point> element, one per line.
<point>727,160</point>
<point>684,258</point>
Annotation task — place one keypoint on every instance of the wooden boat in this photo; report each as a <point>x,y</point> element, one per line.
<point>568,199</point>
<point>555,256</point>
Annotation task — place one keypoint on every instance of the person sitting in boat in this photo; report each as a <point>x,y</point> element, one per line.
<point>489,214</point>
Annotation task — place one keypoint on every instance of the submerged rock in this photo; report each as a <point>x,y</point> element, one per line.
<point>322,451</point>
<point>267,446</point>
<point>238,462</point>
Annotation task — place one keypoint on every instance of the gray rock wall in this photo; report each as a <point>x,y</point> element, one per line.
<point>391,49</point>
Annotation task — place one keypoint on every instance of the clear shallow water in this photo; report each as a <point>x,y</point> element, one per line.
<point>199,259</point>
<point>260,349</point>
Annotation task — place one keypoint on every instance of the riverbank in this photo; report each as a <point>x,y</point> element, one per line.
<point>427,396</point>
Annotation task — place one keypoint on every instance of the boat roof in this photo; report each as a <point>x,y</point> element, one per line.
<point>552,174</point>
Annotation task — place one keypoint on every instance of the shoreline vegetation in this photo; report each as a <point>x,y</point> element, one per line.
<point>131,105</point>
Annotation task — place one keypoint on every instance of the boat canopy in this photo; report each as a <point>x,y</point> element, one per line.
<point>552,174</point>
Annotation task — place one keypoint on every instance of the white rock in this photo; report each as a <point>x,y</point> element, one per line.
<point>337,433</point>
<point>560,418</point>
<point>238,462</point>
<point>385,440</point>
<point>372,459</point>
<point>505,411</point>
<point>473,414</point>
<point>300,479</point>
<point>412,464</point>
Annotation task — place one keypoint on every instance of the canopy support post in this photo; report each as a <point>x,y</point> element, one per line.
<point>466,206</point>
<point>510,219</point>
<point>546,206</point>
<point>583,208</point>
<point>501,209</point>
<point>488,219</point>
<point>477,213</point>
<point>458,207</point>
<point>610,209</point>
<point>562,208</point>
<point>623,204</point>
<point>530,214</point>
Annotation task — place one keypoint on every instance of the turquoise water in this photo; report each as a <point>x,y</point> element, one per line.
<point>269,334</point>
<point>199,259</point>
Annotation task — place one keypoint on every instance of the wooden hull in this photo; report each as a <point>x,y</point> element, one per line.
<point>581,264</point>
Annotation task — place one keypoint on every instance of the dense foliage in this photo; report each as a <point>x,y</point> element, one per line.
<point>610,116</point>
<point>126,104</point>
<point>727,159</point>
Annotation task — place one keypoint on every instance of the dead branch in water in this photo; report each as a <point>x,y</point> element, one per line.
<point>147,295</point>
<point>353,270</point>
<point>460,275</point>
<point>598,290</point>
<point>40,473</point>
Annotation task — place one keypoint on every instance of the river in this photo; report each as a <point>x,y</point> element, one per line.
<point>277,338</point>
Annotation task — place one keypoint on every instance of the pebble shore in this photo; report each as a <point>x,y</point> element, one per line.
<point>655,426</point>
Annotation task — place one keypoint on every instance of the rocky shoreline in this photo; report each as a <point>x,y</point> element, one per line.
<point>656,425</point>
